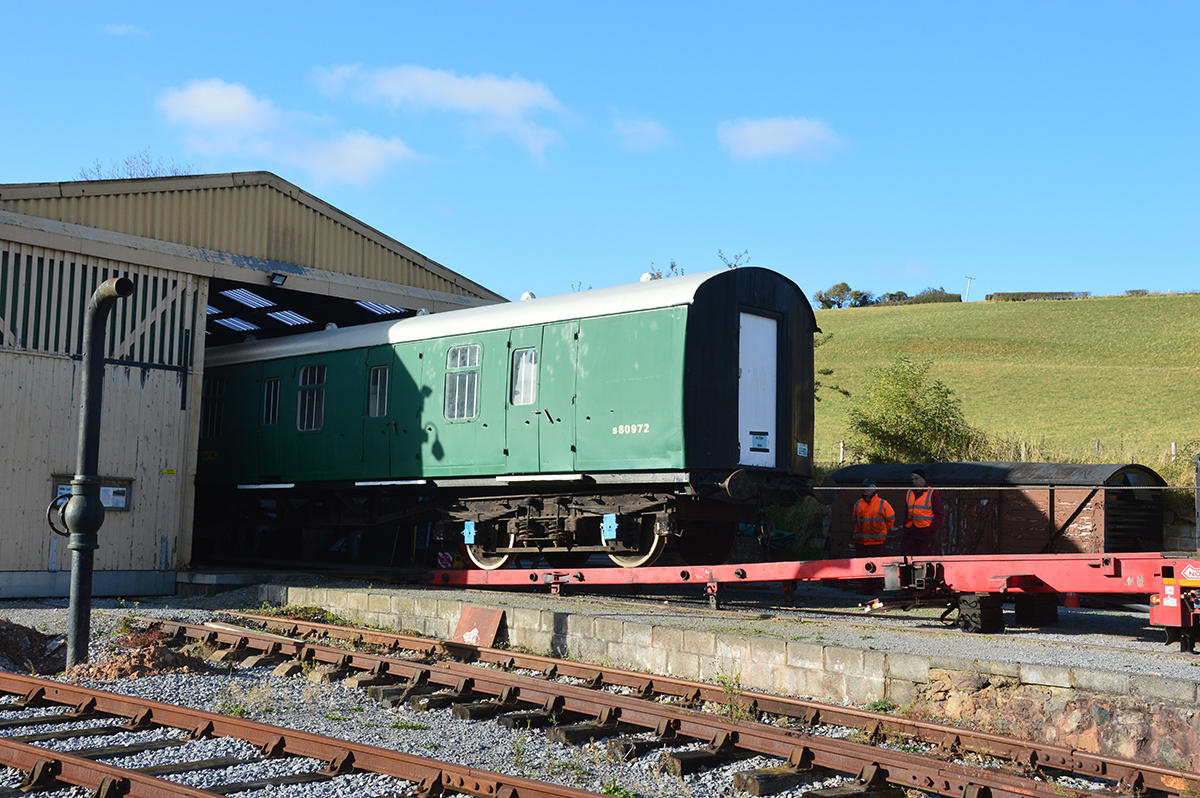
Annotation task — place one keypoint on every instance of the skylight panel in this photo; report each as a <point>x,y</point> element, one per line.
<point>247,298</point>
<point>289,318</point>
<point>378,309</point>
<point>237,324</point>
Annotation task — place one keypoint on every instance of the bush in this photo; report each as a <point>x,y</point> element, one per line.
<point>1023,296</point>
<point>925,298</point>
<point>905,416</point>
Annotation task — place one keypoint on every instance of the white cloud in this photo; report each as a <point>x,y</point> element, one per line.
<point>498,105</point>
<point>756,139</point>
<point>641,135</point>
<point>215,104</point>
<point>356,157</point>
<point>122,30</point>
<point>221,119</point>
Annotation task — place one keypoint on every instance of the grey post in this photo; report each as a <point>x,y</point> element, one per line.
<point>84,513</point>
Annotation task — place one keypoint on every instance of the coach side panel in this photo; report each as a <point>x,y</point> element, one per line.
<point>629,391</point>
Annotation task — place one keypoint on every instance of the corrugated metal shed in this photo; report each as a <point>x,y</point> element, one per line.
<point>253,214</point>
<point>1017,508</point>
<point>186,243</point>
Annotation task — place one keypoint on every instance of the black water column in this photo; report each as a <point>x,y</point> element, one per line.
<point>84,513</point>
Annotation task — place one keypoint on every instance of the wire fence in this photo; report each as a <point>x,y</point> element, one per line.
<point>1150,453</point>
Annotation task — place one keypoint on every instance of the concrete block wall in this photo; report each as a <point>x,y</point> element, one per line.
<point>831,673</point>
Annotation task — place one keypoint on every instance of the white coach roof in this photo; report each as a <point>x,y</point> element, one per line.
<point>667,292</point>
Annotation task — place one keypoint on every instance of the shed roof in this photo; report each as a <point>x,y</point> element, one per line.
<point>1004,474</point>
<point>253,214</point>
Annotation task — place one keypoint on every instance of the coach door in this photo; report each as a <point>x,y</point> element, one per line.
<point>757,397</point>
<point>557,397</point>
<point>522,408</point>
<point>273,412</point>
<point>378,418</point>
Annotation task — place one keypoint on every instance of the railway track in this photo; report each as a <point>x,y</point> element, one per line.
<point>638,713</point>
<point>74,712</point>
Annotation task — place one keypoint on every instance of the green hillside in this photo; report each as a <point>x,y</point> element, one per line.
<point>1124,371</point>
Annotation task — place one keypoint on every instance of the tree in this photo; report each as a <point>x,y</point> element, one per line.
<point>737,259</point>
<point>897,296</point>
<point>137,165</point>
<point>905,416</point>
<point>861,299</point>
<point>657,273</point>
<point>834,296</point>
<point>818,342</point>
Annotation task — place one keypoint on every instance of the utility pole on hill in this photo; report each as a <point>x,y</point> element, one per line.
<point>967,296</point>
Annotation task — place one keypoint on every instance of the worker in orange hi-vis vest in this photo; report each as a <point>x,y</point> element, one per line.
<point>924,517</point>
<point>873,517</point>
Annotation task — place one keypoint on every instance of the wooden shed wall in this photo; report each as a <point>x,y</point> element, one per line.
<point>151,405</point>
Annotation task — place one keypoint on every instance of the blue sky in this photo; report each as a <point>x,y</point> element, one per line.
<point>1033,146</point>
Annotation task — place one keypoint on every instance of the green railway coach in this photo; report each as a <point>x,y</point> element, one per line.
<point>602,421</point>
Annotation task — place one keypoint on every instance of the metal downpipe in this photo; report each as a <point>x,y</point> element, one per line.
<point>84,513</point>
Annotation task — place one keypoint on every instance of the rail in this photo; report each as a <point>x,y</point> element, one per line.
<point>488,690</point>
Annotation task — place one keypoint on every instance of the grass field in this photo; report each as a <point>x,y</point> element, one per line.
<point>1124,371</point>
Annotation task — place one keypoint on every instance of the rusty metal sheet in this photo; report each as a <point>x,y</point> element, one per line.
<point>478,626</point>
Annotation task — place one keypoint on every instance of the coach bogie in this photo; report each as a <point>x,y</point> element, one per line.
<point>490,546</point>
<point>633,541</point>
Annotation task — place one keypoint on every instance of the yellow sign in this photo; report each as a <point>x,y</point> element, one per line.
<point>168,471</point>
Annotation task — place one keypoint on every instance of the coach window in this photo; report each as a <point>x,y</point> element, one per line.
<point>212,400</point>
<point>270,402</point>
<point>377,391</point>
<point>310,410</point>
<point>462,382</point>
<point>524,376</point>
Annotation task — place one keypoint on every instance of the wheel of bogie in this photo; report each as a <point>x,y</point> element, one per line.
<point>566,559</point>
<point>491,561</point>
<point>650,546</point>
<point>707,542</point>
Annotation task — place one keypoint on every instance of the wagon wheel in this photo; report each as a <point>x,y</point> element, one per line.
<point>650,546</point>
<point>707,542</point>
<point>567,559</point>
<point>491,561</point>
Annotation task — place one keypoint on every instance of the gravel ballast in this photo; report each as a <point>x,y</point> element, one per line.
<point>1115,639</point>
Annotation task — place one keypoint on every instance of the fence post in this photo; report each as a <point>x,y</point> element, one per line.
<point>841,452</point>
<point>1174,450</point>
<point>1097,447</point>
